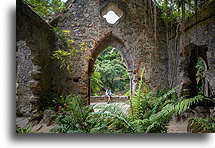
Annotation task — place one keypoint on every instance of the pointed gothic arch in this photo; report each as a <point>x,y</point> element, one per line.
<point>108,40</point>
<point>102,44</point>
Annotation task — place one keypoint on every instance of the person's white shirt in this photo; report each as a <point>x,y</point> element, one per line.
<point>108,92</point>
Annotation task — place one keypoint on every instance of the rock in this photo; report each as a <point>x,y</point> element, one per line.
<point>22,122</point>
<point>23,107</point>
<point>35,73</point>
<point>33,84</point>
<point>212,112</point>
<point>48,117</point>
<point>201,112</point>
<point>196,128</point>
<point>36,117</point>
<point>36,128</point>
<point>213,99</point>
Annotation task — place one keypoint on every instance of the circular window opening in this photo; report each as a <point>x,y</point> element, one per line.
<point>111,13</point>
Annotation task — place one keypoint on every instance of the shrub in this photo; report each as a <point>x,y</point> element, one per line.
<point>76,121</point>
<point>149,112</point>
<point>198,124</point>
<point>23,130</point>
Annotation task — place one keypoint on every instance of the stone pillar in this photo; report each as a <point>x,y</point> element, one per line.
<point>130,74</point>
<point>135,82</point>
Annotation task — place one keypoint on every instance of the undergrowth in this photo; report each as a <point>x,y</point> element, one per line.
<point>204,124</point>
<point>149,112</point>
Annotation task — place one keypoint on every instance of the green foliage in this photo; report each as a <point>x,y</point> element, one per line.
<point>61,100</point>
<point>77,119</point>
<point>23,130</point>
<point>206,124</point>
<point>157,118</point>
<point>95,83</point>
<point>184,104</point>
<point>113,73</point>
<point>127,93</point>
<point>200,76</point>
<point>154,119</point>
<point>173,11</point>
<point>150,112</point>
<point>44,8</point>
<point>53,103</point>
<point>66,48</point>
<point>114,119</point>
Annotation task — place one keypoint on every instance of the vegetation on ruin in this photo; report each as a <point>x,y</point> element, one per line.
<point>45,8</point>
<point>24,130</point>
<point>66,48</point>
<point>203,124</point>
<point>149,112</point>
<point>173,10</point>
<point>200,76</point>
<point>96,85</point>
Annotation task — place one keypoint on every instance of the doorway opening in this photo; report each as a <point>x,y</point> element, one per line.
<point>196,72</point>
<point>109,72</point>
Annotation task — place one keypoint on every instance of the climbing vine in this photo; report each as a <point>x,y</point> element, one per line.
<point>66,48</point>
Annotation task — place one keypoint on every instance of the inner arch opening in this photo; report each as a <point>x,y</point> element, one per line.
<point>109,72</point>
<point>108,47</point>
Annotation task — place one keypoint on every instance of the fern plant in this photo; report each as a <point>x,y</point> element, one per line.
<point>203,124</point>
<point>114,119</point>
<point>144,102</point>
<point>76,120</point>
<point>151,114</point>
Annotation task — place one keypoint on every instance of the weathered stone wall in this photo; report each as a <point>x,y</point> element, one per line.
<point>96,99</point>
<point>138,35</point>
<point>133,35</point>
<point>34,44</point>
<point>198,39</point>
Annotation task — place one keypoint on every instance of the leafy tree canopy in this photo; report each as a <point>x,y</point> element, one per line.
<point>174,10</point>
<point>44,8</point>
<point>113,73</point>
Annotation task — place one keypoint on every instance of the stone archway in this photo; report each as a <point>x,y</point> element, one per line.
<point>109,40</point>
<point>132,35</point>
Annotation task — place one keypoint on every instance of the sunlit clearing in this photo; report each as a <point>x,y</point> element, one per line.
<point>111,17</point>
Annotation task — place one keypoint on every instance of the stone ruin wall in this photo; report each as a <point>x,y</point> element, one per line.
<point>133,35</point>
<point>199,32</point>
<point>33,60</point>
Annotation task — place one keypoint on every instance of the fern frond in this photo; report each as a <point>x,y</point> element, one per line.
<point>186,103</point>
